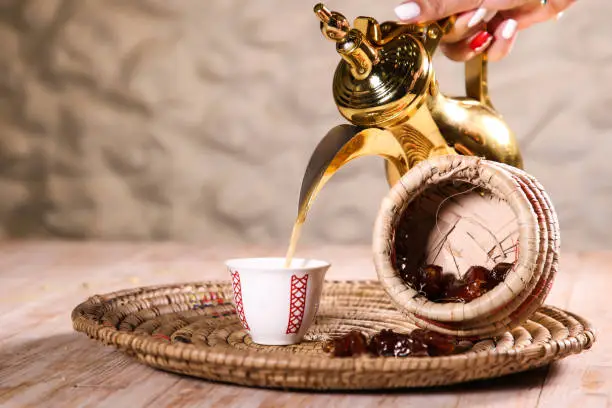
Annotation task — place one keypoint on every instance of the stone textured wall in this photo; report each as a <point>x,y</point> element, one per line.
<point>194,119</point>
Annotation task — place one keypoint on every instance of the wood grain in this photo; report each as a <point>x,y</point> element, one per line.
<point>43,363</point>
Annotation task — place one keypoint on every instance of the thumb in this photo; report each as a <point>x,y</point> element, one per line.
<point>413,11</point>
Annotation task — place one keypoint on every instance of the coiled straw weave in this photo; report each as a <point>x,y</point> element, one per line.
<point>193,329</point>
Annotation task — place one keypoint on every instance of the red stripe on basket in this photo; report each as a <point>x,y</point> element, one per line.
<point>161,336</point>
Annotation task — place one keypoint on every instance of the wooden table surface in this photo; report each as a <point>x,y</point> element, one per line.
<point>43,363</point>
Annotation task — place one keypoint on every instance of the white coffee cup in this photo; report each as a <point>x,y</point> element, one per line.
<point>276,305</point>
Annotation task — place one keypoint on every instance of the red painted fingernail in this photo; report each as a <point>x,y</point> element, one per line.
<point>480,40</point>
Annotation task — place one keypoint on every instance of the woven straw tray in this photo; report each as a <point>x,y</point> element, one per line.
<point>193,329</point>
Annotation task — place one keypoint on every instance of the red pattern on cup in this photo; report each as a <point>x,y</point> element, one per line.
<point>237,289</point>
<point>297,303</point>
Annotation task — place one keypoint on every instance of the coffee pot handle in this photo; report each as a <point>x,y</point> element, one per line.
<point>476,69</point>
<point>476,80</point>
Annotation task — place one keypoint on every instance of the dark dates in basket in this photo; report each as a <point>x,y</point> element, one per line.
<point>446,287</point>
<point>387,343</point>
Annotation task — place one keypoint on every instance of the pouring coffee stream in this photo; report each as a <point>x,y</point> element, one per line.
<point>385,86</point>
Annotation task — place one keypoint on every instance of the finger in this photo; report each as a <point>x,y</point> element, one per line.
<point>468,48</point>
<point>505,35</point>
<point>427,10</point>
<point>468,24</point>
<point>531,14</point>
<point>507,4</point>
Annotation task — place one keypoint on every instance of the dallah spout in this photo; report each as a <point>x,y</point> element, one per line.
<point>341,145</point>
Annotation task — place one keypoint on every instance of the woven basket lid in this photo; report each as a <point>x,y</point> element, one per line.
<point>468,211</point>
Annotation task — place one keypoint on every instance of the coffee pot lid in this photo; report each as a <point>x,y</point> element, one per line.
<point>394,89</point>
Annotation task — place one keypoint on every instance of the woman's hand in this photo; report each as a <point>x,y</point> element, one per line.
<point>470,36</point>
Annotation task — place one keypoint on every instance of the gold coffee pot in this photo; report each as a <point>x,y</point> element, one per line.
<point>385,86</point>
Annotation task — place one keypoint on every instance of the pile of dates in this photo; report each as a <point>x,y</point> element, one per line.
<point>387,343</point>
<point>437,286</point>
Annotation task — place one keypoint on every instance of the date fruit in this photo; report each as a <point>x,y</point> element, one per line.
<point>351,344</point>
<point>431,282</point>
<point>387,343</point>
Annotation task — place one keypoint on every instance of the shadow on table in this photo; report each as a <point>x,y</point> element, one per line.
<point>512,382</point>
<point>68,361</point>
